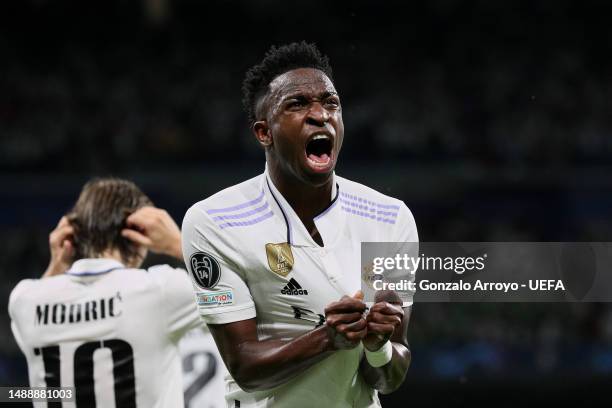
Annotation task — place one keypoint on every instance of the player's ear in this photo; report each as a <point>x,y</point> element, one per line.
<point>262,133</point>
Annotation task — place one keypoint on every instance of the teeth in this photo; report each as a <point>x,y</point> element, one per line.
<point>317,137</point>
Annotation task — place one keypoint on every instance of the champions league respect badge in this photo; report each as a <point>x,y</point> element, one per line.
<point>280,258</point>
<point>205,270</point>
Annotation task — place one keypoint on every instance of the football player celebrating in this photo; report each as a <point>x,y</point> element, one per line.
<point>275,260</point>
<point>95,321</point>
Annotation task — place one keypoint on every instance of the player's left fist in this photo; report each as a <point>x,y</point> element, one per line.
<point>382,320</point>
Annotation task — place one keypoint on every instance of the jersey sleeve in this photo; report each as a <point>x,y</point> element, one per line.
<point>181,314</point>
<point>221,293</point>
<point>407,238</point>
<point>406,229</point>
<point>14,296</point>
<point>13,308</point>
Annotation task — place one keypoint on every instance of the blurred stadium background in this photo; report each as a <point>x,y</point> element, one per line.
<point>491,120</point>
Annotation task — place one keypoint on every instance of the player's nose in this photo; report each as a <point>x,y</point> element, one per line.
<point>317,115</point>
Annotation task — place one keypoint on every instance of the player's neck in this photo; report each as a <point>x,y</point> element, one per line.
<point>111,254</point>
<point>115,254</point>
<point>306,200</point>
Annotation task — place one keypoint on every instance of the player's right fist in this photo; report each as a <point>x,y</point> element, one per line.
<point>346,325</point>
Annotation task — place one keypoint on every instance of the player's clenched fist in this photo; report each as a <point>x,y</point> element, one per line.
<point>345,322</point>
<point>382,320</point>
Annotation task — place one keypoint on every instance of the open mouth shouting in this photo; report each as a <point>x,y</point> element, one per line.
<point>319,153</point>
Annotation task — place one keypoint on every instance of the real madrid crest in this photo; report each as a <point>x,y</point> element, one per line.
<point>280,258</point>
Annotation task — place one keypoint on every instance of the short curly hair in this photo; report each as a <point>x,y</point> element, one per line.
<point>277,61</point>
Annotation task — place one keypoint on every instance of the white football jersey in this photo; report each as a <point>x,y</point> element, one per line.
<point>108,331</point>
<point>250,256</point>
<point>203,370</point>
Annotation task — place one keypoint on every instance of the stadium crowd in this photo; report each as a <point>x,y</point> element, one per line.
<point>523,129</point>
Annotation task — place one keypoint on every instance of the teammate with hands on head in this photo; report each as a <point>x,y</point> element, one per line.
<point>149,227</point>
<point>93,297</point>
<point>275,260</point>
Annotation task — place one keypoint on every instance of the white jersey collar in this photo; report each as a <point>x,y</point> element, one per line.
<point>297,235</point>
<point>94,266</point>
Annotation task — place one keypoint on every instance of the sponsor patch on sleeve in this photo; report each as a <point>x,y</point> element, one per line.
<point>213,299</point>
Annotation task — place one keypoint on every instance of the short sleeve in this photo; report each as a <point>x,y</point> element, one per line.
<point>13,307</point>
<point>181,313</point>
<point>407,239</point>
<point>221,294</point>
<point>406,229</point>
<point>15,294</point>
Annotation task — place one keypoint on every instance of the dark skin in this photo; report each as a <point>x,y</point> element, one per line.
<point>259,365</point>
<point>300,104</point>
<point>387,320</point>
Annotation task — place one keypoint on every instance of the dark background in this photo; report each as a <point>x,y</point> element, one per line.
<point>491,120</point>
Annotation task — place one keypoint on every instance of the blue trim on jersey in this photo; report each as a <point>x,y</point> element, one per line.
<point>322,213</point>
<point>282,211</point>
<point>331,205</point>
<point>86,273</point>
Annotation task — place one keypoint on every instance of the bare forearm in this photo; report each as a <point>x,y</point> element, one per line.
<point>389,377</point>
<point>260,365</point>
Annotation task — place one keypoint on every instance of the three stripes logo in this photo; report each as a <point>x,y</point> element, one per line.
<point>293,288</point>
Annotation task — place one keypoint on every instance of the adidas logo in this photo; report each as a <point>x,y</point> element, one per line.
<point>293,288</point>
